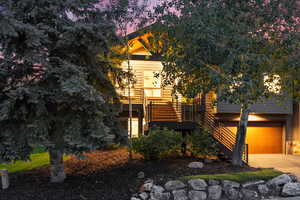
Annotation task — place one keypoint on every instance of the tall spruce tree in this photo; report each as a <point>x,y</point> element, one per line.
<point>246,51</point>
<point>56,72</point>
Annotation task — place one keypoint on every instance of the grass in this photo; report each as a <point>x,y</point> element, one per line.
<point>241,177</point>
<point>36,160</point>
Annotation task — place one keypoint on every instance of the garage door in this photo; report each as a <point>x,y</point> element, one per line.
<point>263,139</point>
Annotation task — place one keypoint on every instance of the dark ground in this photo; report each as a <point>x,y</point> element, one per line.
<point>105,175</point>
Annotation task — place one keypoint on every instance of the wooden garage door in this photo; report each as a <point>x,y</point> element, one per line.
<point>263,139</point>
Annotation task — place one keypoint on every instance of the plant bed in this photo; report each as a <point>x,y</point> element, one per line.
<point>105,175</point>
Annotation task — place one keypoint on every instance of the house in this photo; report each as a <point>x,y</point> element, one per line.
<point>273,128</point>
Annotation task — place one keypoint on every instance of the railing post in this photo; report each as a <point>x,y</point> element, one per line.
<point>247,153</point>
<point>150,113</point>
<point>220,133</point>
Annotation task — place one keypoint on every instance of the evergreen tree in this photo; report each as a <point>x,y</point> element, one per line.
<point>56,74</point>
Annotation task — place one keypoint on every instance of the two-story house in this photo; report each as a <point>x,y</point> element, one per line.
<point>273,128</point>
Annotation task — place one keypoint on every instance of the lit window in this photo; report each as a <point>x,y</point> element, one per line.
<point>153,92</point>
<point>125,92</point>
<point>272,83</point>
<point>135,127</point>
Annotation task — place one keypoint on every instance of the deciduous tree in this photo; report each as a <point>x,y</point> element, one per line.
<point>240,49</point>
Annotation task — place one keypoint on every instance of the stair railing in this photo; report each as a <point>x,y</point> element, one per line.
<point>221,133</point>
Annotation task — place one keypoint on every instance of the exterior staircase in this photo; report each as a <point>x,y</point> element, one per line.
<point>163,113</point>
<point>166,115</point>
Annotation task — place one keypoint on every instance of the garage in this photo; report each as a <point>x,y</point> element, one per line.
<point>263,138</point>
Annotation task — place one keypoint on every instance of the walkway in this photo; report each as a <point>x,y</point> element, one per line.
<point>281,162</point>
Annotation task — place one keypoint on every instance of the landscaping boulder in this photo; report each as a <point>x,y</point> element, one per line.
<point>141,175</point>
<point>180,195</point>
<point>144,195</point>
<point>196,165</point>
<point>231,193</point>
<point>263,189</point>
<point>160,196</point>
<point>174,185</point>
<point>197,195</point>
<point>157,189</point>
<point>293,177</point>
<point>291,189</point>
<point>280,180</point>
<point>134,198</point>
<point>213,182</point>
<point>197,184</point>
<point>230,184</point>
<point>147,186</point>
<point>214,192</point>
<point>252,183</point>
<point>249,194</point>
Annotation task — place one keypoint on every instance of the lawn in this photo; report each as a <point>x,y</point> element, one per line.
<point>36,160</point>
<point>241,177</point>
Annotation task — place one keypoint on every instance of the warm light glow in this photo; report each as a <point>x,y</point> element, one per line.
<point>272,83</point>
<point>252,117</point>
<point>135,127</point>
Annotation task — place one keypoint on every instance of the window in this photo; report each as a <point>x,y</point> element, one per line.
<point>153,92</point>
<point>152,84</point>
<point>135,127</point>
<point>272,83</point>
<point>125,92</point>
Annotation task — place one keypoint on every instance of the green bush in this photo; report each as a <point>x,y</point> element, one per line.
<point>202,144</point>
<point>157,143</point>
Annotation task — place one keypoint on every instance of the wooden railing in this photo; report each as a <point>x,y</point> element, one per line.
<point>184,111</point>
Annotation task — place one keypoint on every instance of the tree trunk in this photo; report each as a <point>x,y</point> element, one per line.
<point>240,136</point>
<point>57,166</point>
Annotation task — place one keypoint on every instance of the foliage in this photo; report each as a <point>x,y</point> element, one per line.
<point>38,149</point>
<point>157,143</point>
<point>241,177</point>
<point>202,144</point>
<point>226,46</point>
<point>234,48</point>
<point>55,77</point>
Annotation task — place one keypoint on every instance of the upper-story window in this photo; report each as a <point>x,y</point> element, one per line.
<point>152,84</point>
<point>272,83</point>
<point>125,92</point>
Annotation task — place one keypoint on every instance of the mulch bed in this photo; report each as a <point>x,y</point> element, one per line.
<point>104,175</point>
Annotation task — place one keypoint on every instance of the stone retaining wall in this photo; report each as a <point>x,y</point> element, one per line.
<point>199,189</point>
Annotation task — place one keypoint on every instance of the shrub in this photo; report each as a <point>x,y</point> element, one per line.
<point>157,143</point>
<point>202,144</point>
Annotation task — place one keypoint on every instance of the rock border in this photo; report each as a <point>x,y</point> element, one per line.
<point>285,185</point>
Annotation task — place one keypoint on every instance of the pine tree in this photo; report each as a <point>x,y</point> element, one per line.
<point>56,73</point>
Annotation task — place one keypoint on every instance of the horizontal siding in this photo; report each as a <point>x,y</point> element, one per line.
<point>138,67</point>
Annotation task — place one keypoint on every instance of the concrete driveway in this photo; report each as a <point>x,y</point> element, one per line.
<point>281,162</point>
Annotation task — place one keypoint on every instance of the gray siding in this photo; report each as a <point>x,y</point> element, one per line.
<point>268,107</point>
